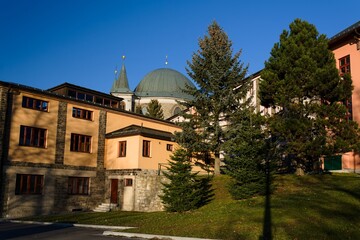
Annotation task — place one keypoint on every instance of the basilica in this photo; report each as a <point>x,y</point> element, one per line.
<point>163,84</point>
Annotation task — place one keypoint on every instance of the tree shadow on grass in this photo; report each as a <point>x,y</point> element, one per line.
<point>267,233</point>
<point>325,207</point>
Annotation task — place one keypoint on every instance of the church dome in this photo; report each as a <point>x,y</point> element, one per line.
<point>163,82</point>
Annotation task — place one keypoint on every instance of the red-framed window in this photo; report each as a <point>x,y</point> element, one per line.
<point>169,147</point>
<point>146,148</point>
<point>33,103</point>
<point>80,143</point>
<point>128,182</point>
<point>78,185</point>
<point>344,65</point>
<point>122,149</point>
<point>29,184</point>
<point>82,113</point>
<point>32,136</point>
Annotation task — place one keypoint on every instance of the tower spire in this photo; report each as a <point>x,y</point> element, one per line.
<point>121,84</point>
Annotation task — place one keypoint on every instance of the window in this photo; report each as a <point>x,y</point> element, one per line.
<point>128,182</point>
<point>146,148</point>
<point>99,100</point>
<point>106,102</point>
<point>122,105</point>
<point>169,147</point>
<point>122,149</point>
<point>82,113</point>
<point>36,104</point>
<point>29,184</point>
<point>92,98</point>
<point>78,185</point>
<point>80,95</point>
<point>177,111</point>
<point>80,143</point>
<point>32,136</point>
<point>115,104</point>
<point>344,65</point>
<point>89,97</point>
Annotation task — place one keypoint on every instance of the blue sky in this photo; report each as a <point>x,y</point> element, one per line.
<point>44,43</point>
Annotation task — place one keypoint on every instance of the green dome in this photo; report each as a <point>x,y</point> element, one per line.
<point>163,82</point>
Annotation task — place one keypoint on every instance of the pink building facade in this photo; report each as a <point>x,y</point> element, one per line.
<point>346,48</point>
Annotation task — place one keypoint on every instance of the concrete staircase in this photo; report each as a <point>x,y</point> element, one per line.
<point>105,207</point>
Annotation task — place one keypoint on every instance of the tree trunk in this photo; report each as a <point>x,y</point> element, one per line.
<point>217,164</point>
<point>300,170</point>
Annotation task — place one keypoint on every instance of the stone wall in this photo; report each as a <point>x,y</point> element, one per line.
<point>144,193</point>
<point>61,131</point>
<point>148,189</point>
<point>5,111</point>
<point>55,197</point>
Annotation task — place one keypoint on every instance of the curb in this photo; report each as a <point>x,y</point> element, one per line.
<point>150,236</point>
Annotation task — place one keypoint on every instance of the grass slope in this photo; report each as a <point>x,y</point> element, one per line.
<point>308,207</point>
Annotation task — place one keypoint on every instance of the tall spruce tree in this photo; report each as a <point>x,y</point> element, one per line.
<point>154,109</point>
<point>301,79</point>
<point>184,189</point>
<point>217,72</point>
<point>247,152</point>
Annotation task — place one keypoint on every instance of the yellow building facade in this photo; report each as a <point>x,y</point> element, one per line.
<point>72,148</point>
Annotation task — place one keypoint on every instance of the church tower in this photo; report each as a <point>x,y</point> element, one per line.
<point>120,88</point>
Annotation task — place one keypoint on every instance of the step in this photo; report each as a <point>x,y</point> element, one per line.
<point>105,207</point>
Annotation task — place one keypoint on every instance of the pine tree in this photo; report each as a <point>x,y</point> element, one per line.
<point>154,109</point>
<point>217,72</point>
<point>301,79</point>
<point>138,109</point>
<point>184,190</point>
<point>247,150</point>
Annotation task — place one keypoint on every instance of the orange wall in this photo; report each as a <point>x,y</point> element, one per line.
<point>33,118</point>
<point>84,127</point>
<point>134,158</point>
<point>351,160</point>
<point>115,120</point>
<point>130,161</point>
<point>348,48</point>
<point>158,153</point>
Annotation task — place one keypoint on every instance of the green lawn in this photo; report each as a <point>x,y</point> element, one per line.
<point>307,207</point>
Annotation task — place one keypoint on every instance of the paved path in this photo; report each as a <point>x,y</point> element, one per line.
<point>21,231</point>
<point>24,230</point>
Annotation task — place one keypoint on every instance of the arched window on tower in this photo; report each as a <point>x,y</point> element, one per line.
<point>122,105</point>
<point>177,111</point>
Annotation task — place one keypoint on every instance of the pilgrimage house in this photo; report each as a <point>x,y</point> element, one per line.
<point>71,148</point>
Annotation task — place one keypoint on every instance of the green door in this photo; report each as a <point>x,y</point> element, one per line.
<point>333,162</point>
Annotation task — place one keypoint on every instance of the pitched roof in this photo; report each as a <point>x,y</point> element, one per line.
<point>83,89</point>
<point>134,130</point>
<point>51,92</point>
<point>353,29</point>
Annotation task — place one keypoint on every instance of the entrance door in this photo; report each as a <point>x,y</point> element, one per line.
<point>114,191</point>
<point>333,162</point>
